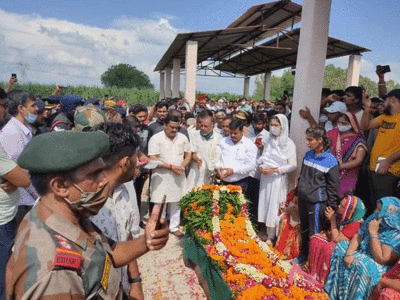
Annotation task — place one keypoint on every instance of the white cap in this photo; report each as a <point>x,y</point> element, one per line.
<point>336,106</point>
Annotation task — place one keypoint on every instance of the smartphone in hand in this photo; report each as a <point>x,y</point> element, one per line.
<point>163,203</point>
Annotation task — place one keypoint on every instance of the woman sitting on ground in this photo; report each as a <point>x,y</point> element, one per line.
<point>344,225</point>
<point>388,287</point>
<point>357,267</point>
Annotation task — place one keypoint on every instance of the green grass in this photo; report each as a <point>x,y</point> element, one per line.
<point>132,96</point>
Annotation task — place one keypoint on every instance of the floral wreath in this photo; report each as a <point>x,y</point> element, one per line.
<point>251,271</point>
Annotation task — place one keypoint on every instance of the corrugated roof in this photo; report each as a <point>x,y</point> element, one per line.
<point>273,14</point>
<point>280,53</point>
<point>256,24</point>
<point>209,43</point>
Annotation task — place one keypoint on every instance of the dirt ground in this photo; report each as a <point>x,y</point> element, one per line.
<point>165,277</point>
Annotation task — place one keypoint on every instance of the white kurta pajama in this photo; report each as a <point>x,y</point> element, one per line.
<point>208,152</point>
<point>278,153</point>
<point>166,182</point>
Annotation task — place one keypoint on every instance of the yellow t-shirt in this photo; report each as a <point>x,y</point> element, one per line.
<point>387,142</point>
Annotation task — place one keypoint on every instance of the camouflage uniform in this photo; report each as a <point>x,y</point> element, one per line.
<point>55,259</point>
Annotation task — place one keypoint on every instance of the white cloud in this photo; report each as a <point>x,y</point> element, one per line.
<point>49,50</point>
<point>45,46</point>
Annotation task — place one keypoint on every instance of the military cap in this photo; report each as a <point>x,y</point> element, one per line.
<point>62,151</point>
<point>88,116</point>
<point>40,105</point>
<point>93,101</point>
<point>53,98</point>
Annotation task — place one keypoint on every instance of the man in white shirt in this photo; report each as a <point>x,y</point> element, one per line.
<point>119,218</point>
<point>205,153</point>
<point>14,137</point>
<point>172,148</point>
<point>237,163</point>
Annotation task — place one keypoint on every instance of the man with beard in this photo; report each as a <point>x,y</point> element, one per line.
<point>161,111</point>
<point>119,218</point>
<point>58,252</point>
<point>384,162</point>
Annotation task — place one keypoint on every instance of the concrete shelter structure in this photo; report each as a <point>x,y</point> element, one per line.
<point>265,38</point>
<point>262,40</point>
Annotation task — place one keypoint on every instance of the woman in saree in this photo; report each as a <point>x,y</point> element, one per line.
<point>344,225</point>
<point>388,287</point>
<point>358,265</point>
<point>350,149</point>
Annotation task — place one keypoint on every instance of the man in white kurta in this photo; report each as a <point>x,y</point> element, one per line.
<point>205,153</point>
<point>173,150</point>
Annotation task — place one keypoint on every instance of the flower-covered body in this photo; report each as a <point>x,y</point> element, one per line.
<point>251,268</point>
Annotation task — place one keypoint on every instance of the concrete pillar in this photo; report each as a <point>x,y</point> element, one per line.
<point>246,87</point>
<point>353,72</point>
<point>177,77</point>
<point>309,69</point>
<point>162,85</point>
<point>168,81</point>
<point>190,71</point>
<point>267,85</point>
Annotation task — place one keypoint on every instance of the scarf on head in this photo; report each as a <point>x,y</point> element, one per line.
<point>354,210</point>
<point>390,212</point>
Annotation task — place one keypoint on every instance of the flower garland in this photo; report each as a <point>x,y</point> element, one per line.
<point>251,271</point>
<point>217,217</point>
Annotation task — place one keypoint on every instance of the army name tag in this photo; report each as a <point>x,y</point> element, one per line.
<point>106,273</point>
<point>68,259</point>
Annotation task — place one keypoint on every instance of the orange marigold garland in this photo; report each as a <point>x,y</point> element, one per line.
<point>251,268</point>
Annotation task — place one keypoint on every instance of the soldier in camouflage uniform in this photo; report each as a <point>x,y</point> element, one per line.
<point>58,252</point>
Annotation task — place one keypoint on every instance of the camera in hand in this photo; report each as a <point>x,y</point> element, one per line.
<point>385,69</point>
<point>14,75</point>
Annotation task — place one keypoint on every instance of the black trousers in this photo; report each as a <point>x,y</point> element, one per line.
<point>382,186</point>
<point>139,183</point>
<point>251,189</point>
<point>312,219</point>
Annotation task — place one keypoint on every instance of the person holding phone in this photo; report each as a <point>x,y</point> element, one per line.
<point>58,252</point>
<point>384,168</point>
<point>13,79</point>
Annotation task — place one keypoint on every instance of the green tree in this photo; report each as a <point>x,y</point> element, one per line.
<point>334,78</point>
<point>125,76</point>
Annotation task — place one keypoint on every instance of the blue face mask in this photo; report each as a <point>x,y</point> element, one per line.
<point>30,118</point>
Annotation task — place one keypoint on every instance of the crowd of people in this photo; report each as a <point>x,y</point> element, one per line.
<point>66,160</point>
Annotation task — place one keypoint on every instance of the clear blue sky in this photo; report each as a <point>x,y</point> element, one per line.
<point>372,24</point>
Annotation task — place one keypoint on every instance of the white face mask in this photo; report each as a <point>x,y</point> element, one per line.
<point>275,130</point>
<point>323,119</point>
<point>344,128</point>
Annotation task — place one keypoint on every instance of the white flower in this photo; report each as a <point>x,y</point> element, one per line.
<point>220,248</point>
<point>224,189</point>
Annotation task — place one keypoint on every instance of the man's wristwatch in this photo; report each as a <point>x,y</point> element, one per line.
<point>134,280</point>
